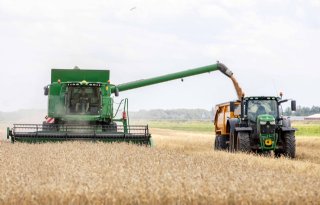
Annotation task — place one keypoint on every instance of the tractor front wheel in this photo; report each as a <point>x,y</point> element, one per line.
<point>243,142</point>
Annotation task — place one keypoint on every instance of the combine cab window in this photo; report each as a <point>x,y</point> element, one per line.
<point>83,100</point>
<point>260,107</point>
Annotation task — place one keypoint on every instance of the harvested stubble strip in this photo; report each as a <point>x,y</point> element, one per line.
<point>98,173</point>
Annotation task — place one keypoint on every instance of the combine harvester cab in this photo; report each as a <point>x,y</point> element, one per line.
<point>80,107</point>
<point>255,124</point>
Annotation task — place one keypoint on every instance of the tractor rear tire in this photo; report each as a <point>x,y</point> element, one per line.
<point>278,153</point>
<point>289,149</point>
<point>243,142</point>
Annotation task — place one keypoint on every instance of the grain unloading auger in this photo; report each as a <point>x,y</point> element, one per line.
<point>80,105</point>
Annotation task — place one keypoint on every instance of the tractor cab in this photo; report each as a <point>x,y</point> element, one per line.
<point>262,114</point>
<point>264,118</point>
<point>257,106</point>
<point>258,109</point>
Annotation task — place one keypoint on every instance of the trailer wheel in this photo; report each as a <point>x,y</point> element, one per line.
<point>220,143</point>
<point>243,142</point>
<point>216,143</point>
<point>289,145</point>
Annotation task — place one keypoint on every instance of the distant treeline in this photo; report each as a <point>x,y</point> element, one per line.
<point>172,114</point>
<point>37,116</point>
<point>303,111</point>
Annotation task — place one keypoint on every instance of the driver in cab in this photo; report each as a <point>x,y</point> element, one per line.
<point>83,104</point>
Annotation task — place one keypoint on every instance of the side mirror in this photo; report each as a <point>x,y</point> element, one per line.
<point>46,90</point>
<point>232,106</point>
<point>293,105</point>
<point>116,92</point>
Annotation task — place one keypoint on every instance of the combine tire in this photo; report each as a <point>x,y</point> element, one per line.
<point>243,142</point>
<point>112,127</point>
<point>289,145</point>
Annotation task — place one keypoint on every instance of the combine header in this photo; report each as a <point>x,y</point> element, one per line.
<point>80,106</point>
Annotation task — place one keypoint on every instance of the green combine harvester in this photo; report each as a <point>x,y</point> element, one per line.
<point>81,107</point>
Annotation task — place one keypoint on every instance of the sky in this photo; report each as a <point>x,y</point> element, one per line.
<point>270,46</point>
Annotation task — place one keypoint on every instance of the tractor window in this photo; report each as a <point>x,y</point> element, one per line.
<point>260,107</point>
<point>237,110</point>
<point>83,100</point>
<point>280,110</point>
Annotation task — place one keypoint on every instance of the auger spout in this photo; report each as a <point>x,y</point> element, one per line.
<point>179,75</point>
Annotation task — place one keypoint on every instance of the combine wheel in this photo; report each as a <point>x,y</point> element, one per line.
<point>49,127</point>
<point>112,127</point>
<point>289,145</point>
<point>243,142</point>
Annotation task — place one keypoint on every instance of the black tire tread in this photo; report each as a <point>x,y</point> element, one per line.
<point>220,143</point>
<point>289,145</point>
<point>216,143</point>
<point>243,142</point>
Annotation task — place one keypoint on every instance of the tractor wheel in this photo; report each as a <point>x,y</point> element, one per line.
<point>231,147</point>
<point>277,153</point>
<point>243,142</point>
<point>289,149</point>
<point>265,153</point>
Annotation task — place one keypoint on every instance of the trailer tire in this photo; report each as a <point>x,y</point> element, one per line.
<point>289,145</point>
<point>243,142</point>
<point>220,143</point>
<point>216,143</point>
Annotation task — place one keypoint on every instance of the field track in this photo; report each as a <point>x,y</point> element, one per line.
<point>182,169</point>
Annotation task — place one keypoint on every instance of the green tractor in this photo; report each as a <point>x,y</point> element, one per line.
<point>81,107</point>
<point>260,127</point>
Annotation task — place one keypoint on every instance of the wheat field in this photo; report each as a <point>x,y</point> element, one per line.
<point>181,169</point>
